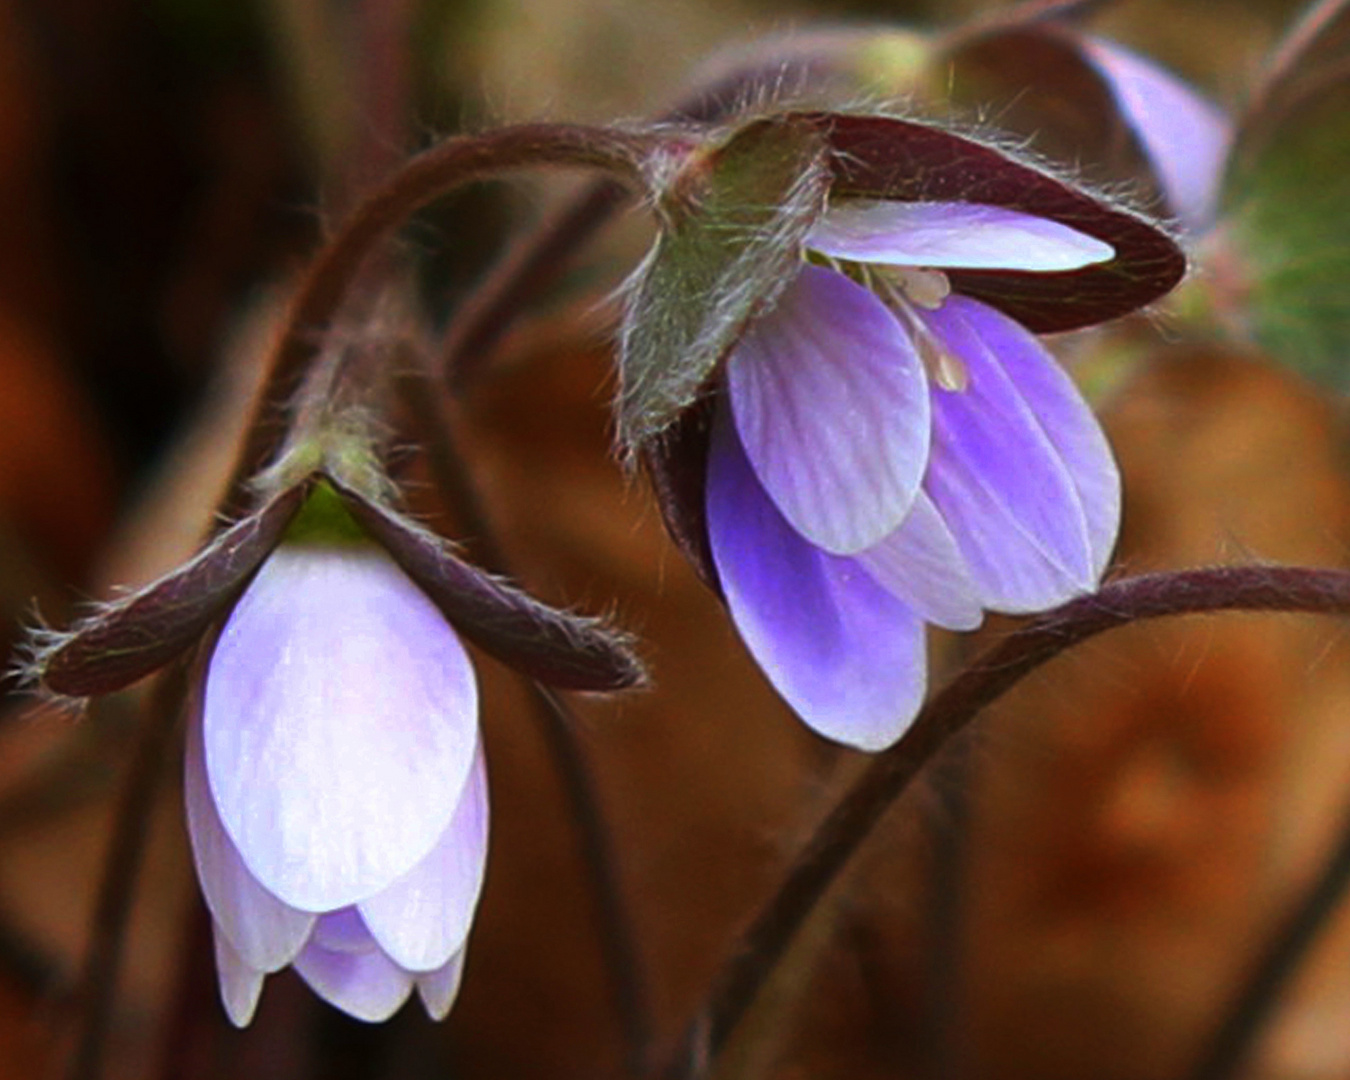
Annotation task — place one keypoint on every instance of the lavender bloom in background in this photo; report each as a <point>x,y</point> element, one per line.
<point>889,455</point>
<point>336,794</point>
<point>1185,136</point>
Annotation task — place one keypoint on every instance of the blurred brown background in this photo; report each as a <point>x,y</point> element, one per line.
<point>1078,889</point>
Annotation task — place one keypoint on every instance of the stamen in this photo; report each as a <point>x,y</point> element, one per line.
<point>944,367</point>
<point>925,288</point>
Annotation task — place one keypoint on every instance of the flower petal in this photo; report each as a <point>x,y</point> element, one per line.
<point>1008,493</point>
<point>423,918</point>
<point>1185,136</point>
<point>922,565</point>
<point>265,933</point>
<point>240,984</point>
<point>340,723</point>
<point>841,650</point>
<point>968,236</point>
<point>1069,423</point>
<point>368,985</point>
<point>831,405</point>
<point>343,931</point>
<point>438,989</point>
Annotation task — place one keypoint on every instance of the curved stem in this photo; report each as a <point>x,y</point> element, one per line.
<point>1235,1037</point>
<point>1240,588</point>
<point>423,179</point>
<point>121,870</point>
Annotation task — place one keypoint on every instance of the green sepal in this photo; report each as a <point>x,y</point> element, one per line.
<point>733,221</point>
<point>324,520</point>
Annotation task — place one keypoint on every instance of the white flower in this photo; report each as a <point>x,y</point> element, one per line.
<point>336,793</point>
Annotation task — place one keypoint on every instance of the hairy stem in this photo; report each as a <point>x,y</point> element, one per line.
<point>424,178</point>
<point>818,865</point>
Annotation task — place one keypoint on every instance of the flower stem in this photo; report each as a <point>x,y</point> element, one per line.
<point>819,863</point>
<point>425,399</point>
<point>1226,1052</point>
<point>424,178</point>
<point>126,852</point>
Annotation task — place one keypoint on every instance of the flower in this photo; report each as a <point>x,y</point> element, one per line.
<point>888,453</point>
<point>336,795</point>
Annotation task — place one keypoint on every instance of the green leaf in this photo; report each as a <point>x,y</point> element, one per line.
<point>735,217</point>
<point>1287,200</point>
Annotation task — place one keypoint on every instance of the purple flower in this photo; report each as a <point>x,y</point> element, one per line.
<point>1184,135</point>
<point>888,454</point>
<point>336,795</point>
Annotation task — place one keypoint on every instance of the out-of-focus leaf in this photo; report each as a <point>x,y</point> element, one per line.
<point>735,219</point>
<point>880,157</point>
<point>1287,199</point>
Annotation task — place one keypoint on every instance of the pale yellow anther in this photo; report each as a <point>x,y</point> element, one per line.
<point>925,288</point>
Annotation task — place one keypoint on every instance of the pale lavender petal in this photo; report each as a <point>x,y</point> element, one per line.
<point>264,932</point>
<point>340,725</point>
<point>368,986</point>
<point>831,404</point>
<point>841,650</point>
<point>343,931</point>
<point>438,989</point>
<point>424,917</point>
<point>955,235</point>
<point>1186,136</point>
<point>922,565</point>
<point>1006,493</point>
<point>240,984</point>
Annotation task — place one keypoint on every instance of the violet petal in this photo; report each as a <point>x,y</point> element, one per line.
<point>1009,497</point>
<point>368,986</point>
<point>942,235</point>
<point>841,650</point>
<point>1186,136</point>
<point>340,722</point>
<point>921,564</point>
<point>1069,423</point>
<point>344,931</point>
<point>423,918</point>
<point>831,405</point>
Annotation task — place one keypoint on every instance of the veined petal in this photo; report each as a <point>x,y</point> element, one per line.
<point>368,985</point>
<point>1068,422</point>
<point>842,651</point>
<point>831,405</point>
<point>1005,489</point>
<point>423,918</point>
<point>951,235</point>
<point>921,564</point>
<point>1186,137</point>
<point>340,721</point>
<point>263,933</point>
<point>438,989</point>
<point>240,984</point>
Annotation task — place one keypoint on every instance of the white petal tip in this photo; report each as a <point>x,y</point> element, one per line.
<point>439,989</point>
<point>240,985</point>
